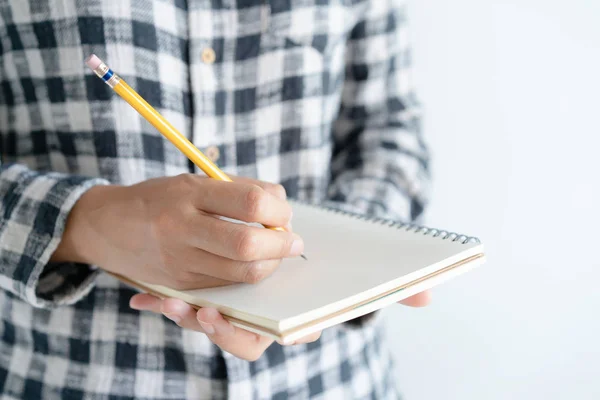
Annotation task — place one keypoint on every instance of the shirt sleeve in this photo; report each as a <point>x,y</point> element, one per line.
<point>381,162</point>
<point>33,211</point>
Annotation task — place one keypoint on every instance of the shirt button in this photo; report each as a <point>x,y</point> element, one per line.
<point>208,55</point>
<point>213,153</point>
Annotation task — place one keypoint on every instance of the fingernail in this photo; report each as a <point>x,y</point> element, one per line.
<point>297,247</point>
<point>207,328</point>
<point>133,304</point>
<point>173,317</point>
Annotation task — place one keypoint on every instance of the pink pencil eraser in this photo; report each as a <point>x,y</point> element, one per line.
<point>93,61</point>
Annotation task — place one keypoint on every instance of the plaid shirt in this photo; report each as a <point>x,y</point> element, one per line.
<point>313,94</point>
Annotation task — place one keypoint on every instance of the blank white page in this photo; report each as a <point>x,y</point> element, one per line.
<point>347,258</point>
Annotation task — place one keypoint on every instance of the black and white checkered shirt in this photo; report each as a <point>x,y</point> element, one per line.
<point>313,94</point>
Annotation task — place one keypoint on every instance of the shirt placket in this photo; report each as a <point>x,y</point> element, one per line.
<point>212,51</point>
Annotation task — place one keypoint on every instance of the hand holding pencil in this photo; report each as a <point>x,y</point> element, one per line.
<point>158,121</point>
<point>164,231</point>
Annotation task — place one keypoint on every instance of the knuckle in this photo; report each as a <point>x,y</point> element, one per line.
<point>254,273</point>
<point>186,184</point>
<point>247,244</point>
<point>279,191</point>
<point>187,180</point>
<point>254,202</point>
<point>165,222</point>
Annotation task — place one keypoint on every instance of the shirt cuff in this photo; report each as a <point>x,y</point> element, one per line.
<point>36,206</point>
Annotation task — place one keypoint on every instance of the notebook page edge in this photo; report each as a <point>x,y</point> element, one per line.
<point>379,304</point>
<point>291,322</point>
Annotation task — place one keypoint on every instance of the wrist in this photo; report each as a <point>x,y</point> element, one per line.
<point>79,242</point>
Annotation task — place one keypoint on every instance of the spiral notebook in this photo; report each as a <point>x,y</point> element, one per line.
<point>355,266</point>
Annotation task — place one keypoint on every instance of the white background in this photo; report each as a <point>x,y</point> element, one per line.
<point>511,91</point>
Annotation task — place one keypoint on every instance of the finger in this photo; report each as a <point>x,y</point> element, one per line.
<point>275,189</point>
<point>182,313</point>
<point>144,302</point>
<point>418,300</point>
<point>242,201</point>
<point>313,337</point>
<point>241,242</point>
<point>239,342</point>
<point>176,310</point>
<point>309,339</point>
<point>227,270</point>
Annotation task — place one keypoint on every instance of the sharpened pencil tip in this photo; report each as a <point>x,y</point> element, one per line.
<point>303,256</point>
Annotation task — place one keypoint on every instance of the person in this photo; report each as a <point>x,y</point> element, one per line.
<point>305,100</point>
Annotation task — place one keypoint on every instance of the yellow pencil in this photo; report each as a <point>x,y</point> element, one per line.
<point>159,122</point>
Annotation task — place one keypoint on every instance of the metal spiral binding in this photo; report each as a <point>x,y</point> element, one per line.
<point>408,227</point>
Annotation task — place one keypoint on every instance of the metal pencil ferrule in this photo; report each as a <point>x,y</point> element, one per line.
<point>107,75</point>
